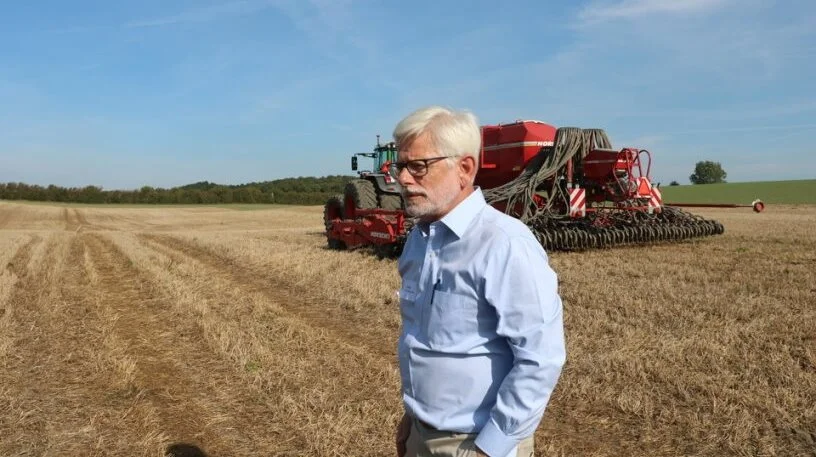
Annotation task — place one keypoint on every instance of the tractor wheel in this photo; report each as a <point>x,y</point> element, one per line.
<point>333,210</point>
<point>362,194</point>
<point>390,202</point>
<point>388,251</point>
<point>336,244</point>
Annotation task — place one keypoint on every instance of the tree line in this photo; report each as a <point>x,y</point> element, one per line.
<point>298,191</point>
<point>293,191</point>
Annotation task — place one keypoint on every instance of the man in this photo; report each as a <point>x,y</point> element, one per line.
<point>482,341</point>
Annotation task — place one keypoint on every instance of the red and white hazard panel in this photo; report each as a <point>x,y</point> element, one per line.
<point>655,200</point>
<point>577,202</point>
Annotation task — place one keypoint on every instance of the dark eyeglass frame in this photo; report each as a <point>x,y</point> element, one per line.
<point>396,167</point>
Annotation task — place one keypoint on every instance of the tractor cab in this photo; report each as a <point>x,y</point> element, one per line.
<point>383,155</point>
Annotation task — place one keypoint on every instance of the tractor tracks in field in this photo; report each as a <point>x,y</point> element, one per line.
<point>70,220</point>
<point>104,358</point>
<point>25,351</point>
<point>295,300</point>
<point>198,396</point>
<point>68,387</point>
<point>74,221</point>
<point>80,218</point>
<point>19,262</point>
<point>308,368</point>
<point>21,290</point>
<point>59,395</point>
<point>95,361</point>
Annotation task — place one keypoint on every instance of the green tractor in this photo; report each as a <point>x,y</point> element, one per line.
<point>374,189</point>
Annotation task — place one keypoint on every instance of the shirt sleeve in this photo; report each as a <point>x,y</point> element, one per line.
<point>523,289</point>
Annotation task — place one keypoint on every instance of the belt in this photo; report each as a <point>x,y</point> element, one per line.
<point>426,425</point>
<point>430,428</point>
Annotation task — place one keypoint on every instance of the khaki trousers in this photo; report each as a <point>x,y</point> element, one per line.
<point>428,442</point>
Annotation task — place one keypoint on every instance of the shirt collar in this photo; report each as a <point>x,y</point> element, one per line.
<point>460,217</point>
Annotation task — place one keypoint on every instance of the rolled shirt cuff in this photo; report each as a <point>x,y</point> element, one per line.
<point>494,442</point>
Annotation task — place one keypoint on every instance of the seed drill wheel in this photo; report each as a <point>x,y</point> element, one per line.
<point>360,194</point>
<point>390,202</point>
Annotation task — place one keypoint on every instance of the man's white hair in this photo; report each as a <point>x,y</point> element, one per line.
<point>453,133</point>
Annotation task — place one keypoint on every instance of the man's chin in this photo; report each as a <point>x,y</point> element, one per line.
<point>415,210</point>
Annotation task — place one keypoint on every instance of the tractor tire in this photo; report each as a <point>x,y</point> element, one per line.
<point>362,193</point>
<point>334,209</point>
<point>390,202</point>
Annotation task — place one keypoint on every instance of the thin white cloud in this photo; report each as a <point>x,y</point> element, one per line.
<point>79,29</point>
<point>690,48</point>
<point>629,9</point>
<point>332,26</point>
<point>204,14</point>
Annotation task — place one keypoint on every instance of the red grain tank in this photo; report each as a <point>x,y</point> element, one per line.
<point>507,148</point>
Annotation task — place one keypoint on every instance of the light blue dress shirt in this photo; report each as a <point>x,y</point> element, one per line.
<point>482,340</point>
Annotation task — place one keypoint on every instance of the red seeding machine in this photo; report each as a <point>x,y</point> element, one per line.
<point>567,184</point>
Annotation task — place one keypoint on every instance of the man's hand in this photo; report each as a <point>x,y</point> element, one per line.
<point>403,431</point>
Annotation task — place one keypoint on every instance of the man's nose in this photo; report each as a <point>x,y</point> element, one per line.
<point>404,177</point>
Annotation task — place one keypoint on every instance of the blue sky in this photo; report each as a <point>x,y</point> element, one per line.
<point>164,93</point>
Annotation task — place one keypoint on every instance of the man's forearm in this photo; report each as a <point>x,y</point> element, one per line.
<point>523,395</point>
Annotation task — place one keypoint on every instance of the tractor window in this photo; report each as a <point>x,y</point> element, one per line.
<point>386,154</point>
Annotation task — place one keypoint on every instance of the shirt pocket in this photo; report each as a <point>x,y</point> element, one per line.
<point>452,320</point>
<point>408,306</point>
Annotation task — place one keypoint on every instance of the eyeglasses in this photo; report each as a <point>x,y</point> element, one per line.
<point>416,168</point>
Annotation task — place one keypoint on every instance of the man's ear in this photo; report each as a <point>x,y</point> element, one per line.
<point>467,170</point>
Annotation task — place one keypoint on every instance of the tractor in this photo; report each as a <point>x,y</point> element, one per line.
<point>375,188</point>
<point>369,212</point>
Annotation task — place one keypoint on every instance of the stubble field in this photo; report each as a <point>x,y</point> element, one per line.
<point>124,330</point>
